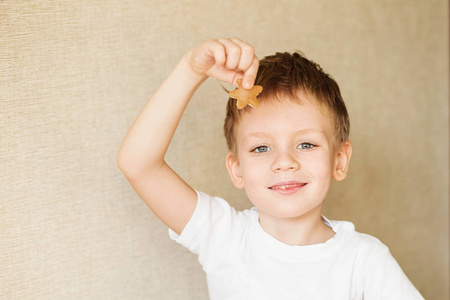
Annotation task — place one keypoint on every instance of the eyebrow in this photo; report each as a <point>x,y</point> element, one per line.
<point>299,132</point>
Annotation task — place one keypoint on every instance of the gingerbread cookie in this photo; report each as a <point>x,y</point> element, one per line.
<point>244,96</point>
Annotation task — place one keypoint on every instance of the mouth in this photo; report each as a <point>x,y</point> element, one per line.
<point>287,187</point>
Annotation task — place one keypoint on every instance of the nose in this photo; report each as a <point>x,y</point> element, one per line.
<point>285,161</point>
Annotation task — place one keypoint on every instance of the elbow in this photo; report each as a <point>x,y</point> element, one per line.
<point>127,168</point>
<point>121,163</point>
<point>134,167</point>
<point>125,164</point>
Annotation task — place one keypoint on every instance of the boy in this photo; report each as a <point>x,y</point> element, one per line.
<point>284,153</point>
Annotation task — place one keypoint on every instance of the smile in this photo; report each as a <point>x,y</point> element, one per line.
<point>287,187</point>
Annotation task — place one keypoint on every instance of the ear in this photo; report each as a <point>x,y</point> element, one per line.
<point>342,160</point>
<point>234,170</point>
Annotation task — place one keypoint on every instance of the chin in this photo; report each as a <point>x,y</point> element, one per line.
<point>292,210</point>
<point>291,214</point>
<point>285,211</point>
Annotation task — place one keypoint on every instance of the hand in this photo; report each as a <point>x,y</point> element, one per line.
<point>226,60</point>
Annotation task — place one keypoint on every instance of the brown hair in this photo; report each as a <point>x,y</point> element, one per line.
<point>283,76</point>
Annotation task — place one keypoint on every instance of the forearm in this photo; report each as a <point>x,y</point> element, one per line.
<point>148,139</point>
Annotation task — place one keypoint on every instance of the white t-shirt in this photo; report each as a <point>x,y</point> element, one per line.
<point>242,261</point>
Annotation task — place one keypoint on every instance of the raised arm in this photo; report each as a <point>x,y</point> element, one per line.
<point>141,156</point>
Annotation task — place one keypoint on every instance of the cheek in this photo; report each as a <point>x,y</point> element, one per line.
<point>251,172</point>
<point>254,175</point>
<point>320,166</point>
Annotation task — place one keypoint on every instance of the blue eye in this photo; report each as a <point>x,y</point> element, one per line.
<point>305,146</point>
<point>261,149</point>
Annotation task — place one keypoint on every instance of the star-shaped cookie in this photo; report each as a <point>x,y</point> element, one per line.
<point>244,96</point>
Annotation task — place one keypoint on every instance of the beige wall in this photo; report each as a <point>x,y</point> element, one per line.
<point>74,74</point>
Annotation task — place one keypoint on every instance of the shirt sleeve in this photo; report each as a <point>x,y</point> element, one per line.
<point>384,279</point>
<point>212,230</point>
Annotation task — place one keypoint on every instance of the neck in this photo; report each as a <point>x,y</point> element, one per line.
<point>308,229</point>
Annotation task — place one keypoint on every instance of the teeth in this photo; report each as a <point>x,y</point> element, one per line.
<point>285,186</point>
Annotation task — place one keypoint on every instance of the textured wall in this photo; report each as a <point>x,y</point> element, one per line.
<point>74,75</point>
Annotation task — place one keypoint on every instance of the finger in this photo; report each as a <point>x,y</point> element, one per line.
<point>250,74</point>
<point>207,55</point>
<point>225,75</point>
<point>233,53</point>
<point>219,53</point>
<point>247,54</point>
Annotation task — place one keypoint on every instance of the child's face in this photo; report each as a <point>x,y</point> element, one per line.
<point>286,158</point>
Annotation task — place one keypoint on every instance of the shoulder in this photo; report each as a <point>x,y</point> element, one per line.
<point>370,255</point>
<point>381,275</point>
<point>215,231</point>
<point>220,208</point>
<point>355,237</point>
<point>213,220</point>
<point>362,245</point>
